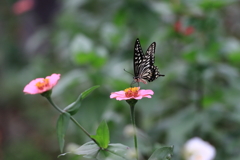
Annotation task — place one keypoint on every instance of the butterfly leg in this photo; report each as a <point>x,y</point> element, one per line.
<point>131,85</point>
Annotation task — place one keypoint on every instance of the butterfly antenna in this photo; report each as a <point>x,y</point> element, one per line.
<point>127,72</point>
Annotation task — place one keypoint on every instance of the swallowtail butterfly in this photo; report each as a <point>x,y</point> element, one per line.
<point>143,64</point>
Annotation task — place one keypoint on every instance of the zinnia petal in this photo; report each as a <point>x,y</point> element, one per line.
<point>122,98</point>
<point>40,85</point>
<point>53,79</point>
<point>131,93</point>
<point>138,97</point>
<point>146,92</point>
<point>117,94</point>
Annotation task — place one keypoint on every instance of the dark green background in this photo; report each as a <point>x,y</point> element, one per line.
<point>90,42</point>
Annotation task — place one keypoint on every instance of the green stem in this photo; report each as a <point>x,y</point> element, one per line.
<point>54,105</point>
<point>73,119</point>
<point>134,127</point>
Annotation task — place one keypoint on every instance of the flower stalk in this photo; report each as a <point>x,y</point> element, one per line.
<point>132,103</point>
<point>44,87</point>
<point>48,97</point>
<point>132,95</point>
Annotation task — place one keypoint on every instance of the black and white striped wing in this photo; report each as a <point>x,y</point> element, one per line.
<point>150,56</point>
<point>150,53</point>
<point>138,58</point>
<point>144,69</point>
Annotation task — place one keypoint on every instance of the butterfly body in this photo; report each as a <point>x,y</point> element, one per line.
<point>143,64</point>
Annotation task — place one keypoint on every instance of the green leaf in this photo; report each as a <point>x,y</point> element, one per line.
<point>115,151</point>
<point>89,150</point>
<point>206,4</point>
<point>190,56</point>
<point>92,150</point>
<point>234,57</point>
<point>88,91</point>
<point>164,153</point>
<point>74,107</point>
<point>102,136</point>
<point>60,155</point>
<point>90,57</point>
<point>62,124</point>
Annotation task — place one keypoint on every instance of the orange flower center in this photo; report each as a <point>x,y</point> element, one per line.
<point>131,92</point>
<point>43,84</point>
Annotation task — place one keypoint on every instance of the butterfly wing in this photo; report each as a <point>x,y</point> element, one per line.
<point>150,53</point>
<point>150,56</point>
<point>144,69</point>
<point>138,58</point>
<point>155,73</point>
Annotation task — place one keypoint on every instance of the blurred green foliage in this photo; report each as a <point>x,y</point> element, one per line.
<point>90,43</point>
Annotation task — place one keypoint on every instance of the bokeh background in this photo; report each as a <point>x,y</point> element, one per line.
<point>90,42</point>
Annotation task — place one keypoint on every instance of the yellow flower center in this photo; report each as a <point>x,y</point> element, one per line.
<point>43,84</point>
<point>131,92</point>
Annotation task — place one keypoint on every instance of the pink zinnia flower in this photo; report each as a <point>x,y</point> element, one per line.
<point>22,6</point>
<point>41,85</point>
<point>178,26</point>
<point>186,30</point>
<point>132,93</point>
<point>189,30</point>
